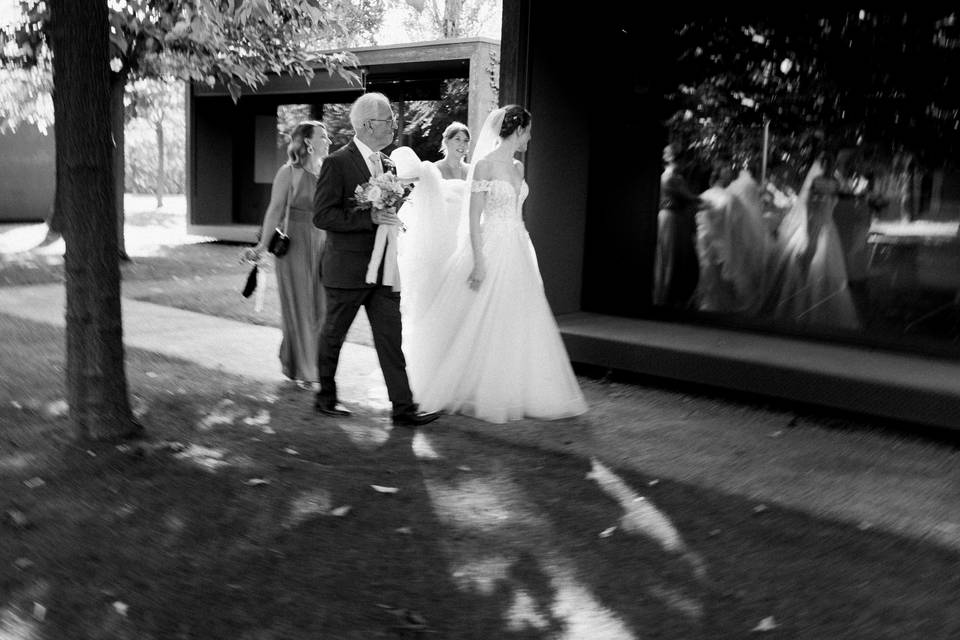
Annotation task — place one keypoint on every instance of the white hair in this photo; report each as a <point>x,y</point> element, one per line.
<point>366,107</point>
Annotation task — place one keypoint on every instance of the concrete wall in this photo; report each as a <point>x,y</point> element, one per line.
<point>27,175</point>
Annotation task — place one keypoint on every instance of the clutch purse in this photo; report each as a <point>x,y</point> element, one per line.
<point>279,243</point>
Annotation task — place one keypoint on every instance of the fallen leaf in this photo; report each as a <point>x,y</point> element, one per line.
<point>262,419</point>
<point>23,564</point>
<point>57,409</point>
<point>152,374</point>
<point>380,489</point>
<point>767,624</point>
<point>775,434</point>
<point>15,404</point>
<point>760,508</point>
<point>464,467</point>
<point>17,518</point>
<point>653,483</point>
<point>606,533</point>
<point>256,482</point>
<point>125,510</point>
<point>34,483</point>
<point>341,511</point>
<point>410,618</point>
<point>269,431</point>
<point>225,413</point>
<point>140,407</point>
<point>292,452</point>
<point>39,611</point>
<point>121,607</point>
<point>404,530</point>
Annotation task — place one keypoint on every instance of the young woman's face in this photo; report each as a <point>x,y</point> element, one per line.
<point>457,145</point>
<point>320,142</point>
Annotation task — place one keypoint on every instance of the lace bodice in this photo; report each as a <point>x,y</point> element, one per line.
<point>503,203</point>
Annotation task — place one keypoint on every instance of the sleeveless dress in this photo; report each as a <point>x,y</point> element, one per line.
<point>496,353</point>
<point>302,301</point>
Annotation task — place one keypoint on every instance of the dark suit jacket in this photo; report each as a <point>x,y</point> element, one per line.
<point>350,234</point>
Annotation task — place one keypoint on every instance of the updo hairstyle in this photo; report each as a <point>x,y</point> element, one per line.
<point>300,147</point>
<point>516,117</point>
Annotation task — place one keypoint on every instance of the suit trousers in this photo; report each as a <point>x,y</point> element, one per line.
<point>382,305</point>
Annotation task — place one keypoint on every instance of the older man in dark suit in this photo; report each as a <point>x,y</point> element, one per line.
<point>350,240</point>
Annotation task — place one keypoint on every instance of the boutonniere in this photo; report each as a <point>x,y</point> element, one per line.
<point>387,163</point>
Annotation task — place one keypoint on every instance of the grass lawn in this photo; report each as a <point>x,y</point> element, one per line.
<point>247,517</point>
<point>223,525</point>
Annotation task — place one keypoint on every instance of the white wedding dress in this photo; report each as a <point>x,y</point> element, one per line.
<point>430,218</point>
<point>495,353</point>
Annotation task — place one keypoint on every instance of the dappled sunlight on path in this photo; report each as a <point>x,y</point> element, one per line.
<point>502,544</point>
<point>640,516</point>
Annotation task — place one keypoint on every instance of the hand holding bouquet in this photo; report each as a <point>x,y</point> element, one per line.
<point>381,193</point>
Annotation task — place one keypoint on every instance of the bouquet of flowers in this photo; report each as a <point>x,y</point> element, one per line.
<point>382,192</point>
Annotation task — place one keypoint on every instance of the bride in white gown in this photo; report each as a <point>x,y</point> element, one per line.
<point>487,344</point>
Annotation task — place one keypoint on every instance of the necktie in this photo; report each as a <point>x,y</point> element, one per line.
<point>375,168</point>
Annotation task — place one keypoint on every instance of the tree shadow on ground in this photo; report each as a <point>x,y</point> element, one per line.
<point>222,524</point>
<point>738,563</point>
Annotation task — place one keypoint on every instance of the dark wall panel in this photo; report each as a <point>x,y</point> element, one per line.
<point>214,122</point>
<point>558,163</point>
<point>27,175</point>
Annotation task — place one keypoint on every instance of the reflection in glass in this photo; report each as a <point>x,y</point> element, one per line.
<point>812,179</point>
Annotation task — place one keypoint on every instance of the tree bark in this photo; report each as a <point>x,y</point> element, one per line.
<point>118,84</point>
<point>158,189</point>
<point>96,380</point>
<point>451,18</point>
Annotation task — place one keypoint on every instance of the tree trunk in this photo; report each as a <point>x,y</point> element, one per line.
<point>118,84</point>
<point>54,222</point>
<point>158,189</point>
<point>96,381</point>
<point>451,18</point>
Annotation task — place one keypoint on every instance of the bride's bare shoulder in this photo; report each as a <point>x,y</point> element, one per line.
<point>483,169</point>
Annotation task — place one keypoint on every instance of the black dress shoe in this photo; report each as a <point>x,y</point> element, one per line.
<point>415,418</point>
<point>331,409</point>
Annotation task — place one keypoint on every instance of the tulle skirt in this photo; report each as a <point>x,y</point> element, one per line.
<point>496,353</point>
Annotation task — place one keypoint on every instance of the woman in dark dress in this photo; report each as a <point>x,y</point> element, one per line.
<point>677,267</point>
<point>302,302</point>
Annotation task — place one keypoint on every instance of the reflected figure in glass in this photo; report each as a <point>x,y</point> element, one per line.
<point>810,285</point>
<point>676,267</point>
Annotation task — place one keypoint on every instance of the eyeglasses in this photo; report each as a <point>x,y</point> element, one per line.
<point>392,120</point>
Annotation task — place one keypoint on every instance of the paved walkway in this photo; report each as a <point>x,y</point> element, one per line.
<point>902,486</point>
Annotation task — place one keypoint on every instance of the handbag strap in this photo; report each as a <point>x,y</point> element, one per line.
<point>286,215</point>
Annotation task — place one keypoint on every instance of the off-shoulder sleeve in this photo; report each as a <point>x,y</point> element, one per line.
<point>480,185</point>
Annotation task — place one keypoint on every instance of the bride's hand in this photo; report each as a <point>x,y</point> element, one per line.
<point>476,276</point>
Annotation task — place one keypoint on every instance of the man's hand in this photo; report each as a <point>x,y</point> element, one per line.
<point>385,216</point>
